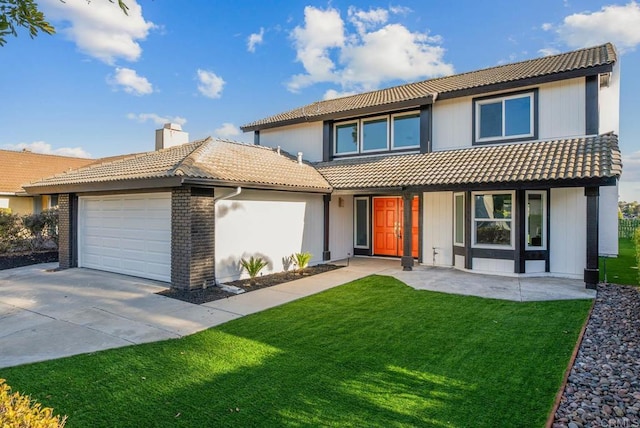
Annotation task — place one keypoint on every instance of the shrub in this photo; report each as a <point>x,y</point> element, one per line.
<point>42,228</point>
<point>253,266</point>
<point>11,233</point>
<point>19,411</point>
<point>302,260</point>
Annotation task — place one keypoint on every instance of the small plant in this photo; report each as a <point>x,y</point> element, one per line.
<point>253,266</point>
<point>301,260</point>
<point>18,411</point>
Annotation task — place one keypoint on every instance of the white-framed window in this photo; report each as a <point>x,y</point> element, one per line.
<point>493,223</point>
<point>503,118</point>
<point>458,219</point>
<point>405,130</point>
<point>536,220</point>
<point>398,131</point>
<point>375,134</point>
<point>345,138</point>
<point>361,222</point>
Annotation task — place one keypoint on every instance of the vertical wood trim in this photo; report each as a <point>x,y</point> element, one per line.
<point>426,130</point>
<point>326,254</point>
<point>73,213</point>
<point>591,272</point>
<point>327,141</point>
<point>407,238</point>
<point>468,262</point>
<point>520,232</point>
<point>256,137</point>
<point>547,257</point>
<point>592,124</point>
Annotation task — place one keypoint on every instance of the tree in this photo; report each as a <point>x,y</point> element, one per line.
<point>25,13</point>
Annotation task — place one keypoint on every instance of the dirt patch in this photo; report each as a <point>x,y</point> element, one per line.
<point>216,293</point>
<point>14,260</point>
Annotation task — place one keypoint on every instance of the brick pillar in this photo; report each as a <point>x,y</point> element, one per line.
<point>407,258</point>
<point>192,238</point>
<point>67,230</point>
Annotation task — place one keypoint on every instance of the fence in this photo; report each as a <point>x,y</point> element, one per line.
<point>627,226</point>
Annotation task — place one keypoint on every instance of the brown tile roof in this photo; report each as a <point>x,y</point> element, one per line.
<point>22,167</point>
<point>582,59</point>
<point>567,159</point>
<point>213,160</point>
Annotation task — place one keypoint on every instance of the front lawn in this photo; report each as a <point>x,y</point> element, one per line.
<point>373,352</point>
<point>622,269</point>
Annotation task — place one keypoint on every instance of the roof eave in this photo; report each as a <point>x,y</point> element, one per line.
<point>205,182</point>
<point>103,186</point>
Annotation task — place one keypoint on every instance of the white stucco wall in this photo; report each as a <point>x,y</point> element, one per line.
<point>268,224</point>
<point>437,229</point>
<point>305,138</point>
<point>568,251</point>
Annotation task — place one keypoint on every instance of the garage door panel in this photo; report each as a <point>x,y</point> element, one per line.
<point>128,234</point>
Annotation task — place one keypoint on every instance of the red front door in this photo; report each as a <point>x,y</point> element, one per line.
<point>388,226</point>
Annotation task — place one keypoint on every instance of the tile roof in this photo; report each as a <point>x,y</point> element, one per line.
<point>209,159</point>
<point>22,167</point>
<point>582,59</point>
<point>565,159</point>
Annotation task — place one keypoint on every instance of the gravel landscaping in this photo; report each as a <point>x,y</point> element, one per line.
<point>603,388</point>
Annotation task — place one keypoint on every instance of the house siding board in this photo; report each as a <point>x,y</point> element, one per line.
<point>608,220</point>
<point>452,124</point>
<point>305,138</point>
<point>567,232</point>
<point>496,266</point>
<point>267,224</point>
<point>609,100</point>
<point>561,109</point>
<point>437,229</point>
<point>341,232</point>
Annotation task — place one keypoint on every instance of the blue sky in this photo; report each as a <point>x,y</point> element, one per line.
<point>106,81</point>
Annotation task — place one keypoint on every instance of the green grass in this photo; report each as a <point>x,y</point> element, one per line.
<point>624,268</point>
<point>373,353</point>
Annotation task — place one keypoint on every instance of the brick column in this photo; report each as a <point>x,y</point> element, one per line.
<point>67,225</point>
<point>407,258</point>
<point>192,238</point>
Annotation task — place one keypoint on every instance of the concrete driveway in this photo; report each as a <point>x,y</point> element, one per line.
<point>46,314</point>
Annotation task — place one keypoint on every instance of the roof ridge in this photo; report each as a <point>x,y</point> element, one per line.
<point>176,170</point>
<point>29,152</point>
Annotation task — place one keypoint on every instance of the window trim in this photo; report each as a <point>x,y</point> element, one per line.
<point>533,120</point>
<point>355,219</point>
<point>361,133</point>
<point>335,137</point>
<point>474,220</point>
<point>542,193</point>
<point>455,217</point>
<point>392,117</point>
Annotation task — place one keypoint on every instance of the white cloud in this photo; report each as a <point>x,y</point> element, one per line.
<point>255,39</point>
<point>616,23</point>
<point>373,52</point>
<point>45,148</point>
<point>130,82</point>
<point>332,93</point>
<point>157,119</point>
<point>227,130</point>
<point>548,51</point>
<point>210,84</point>
<point>546,26</point>
<point>100,28</point>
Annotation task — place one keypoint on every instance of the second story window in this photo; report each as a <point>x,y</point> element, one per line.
<point>505,118</point>
<point>400,131</point>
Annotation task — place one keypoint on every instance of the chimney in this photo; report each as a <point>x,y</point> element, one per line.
<point>170,135</point>
<point>300,158</point>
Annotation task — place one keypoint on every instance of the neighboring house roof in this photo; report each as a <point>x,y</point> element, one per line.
<point>582,62</point>
<point>206,162</point>
<point>22,167</point>
<point>576,159</point>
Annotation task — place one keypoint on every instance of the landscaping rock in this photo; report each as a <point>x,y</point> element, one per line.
<point>603,388</point>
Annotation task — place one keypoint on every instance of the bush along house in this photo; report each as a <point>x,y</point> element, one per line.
<point>510,170</point>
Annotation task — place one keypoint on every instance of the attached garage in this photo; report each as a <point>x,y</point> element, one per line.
<point>128,234</point>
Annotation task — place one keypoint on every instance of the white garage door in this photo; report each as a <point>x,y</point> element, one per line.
<point>128,234</point>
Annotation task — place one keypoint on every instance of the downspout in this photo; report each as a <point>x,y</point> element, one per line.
<point>228,196</point>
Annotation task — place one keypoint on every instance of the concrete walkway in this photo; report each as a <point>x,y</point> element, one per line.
<point>46,315</point>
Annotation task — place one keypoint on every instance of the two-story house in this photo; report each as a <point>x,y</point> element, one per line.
<point>509,170</point>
